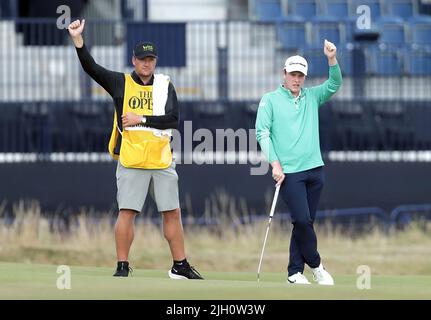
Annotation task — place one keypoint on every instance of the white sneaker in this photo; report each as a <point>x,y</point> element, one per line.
<point>298,278</point>
<point>321,276</point>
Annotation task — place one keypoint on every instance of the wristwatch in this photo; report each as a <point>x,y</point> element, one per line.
<point>144,119</point>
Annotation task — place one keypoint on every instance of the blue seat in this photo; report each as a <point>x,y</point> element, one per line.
<point>317,62</point>
<point>325,28</point>
<point>394,125</point>
<point>392,31</point>
<point>384,61</point>
<point>303,8</point>
<point>212,116</point>
<point>420,30</point>
<point>353,129</point>
<point>335,8</point>
<point>345,59</point>
<point>348,27</point>
<point>268,10</point>
<point>401,8</point>
<point>374,5</point>
<point>291,32</point>
<point>418,61</point>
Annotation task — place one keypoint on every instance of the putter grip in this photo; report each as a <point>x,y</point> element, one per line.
<point>274,201</point>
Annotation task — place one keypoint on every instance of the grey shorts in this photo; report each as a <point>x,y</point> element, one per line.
<point>133,186</point>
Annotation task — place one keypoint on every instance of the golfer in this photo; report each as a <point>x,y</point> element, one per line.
<point>146,109</point>
<point>287,128</point>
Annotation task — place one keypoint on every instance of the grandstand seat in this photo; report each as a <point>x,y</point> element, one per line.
<point>62,128</point>
<point>348,28</point>
<point>35,120</point>
<point>354,129</point>
<point>325,28</point>
<point>345,59</point>
<point>11,131</point>
<point>303,8</point>
<point>317,62</point>
<point>291,32</point>
<point>392,31</point>
<point>335,8</point>
<point>374,5</point>
<point>8,9</point>
<point>211,116</point>
<point>248,115</point>
<point>401,8</point>
<point>395,130</point>
<point>420,30</point>
<point>93,124</point>
<point>268,10</point>
<point>383,61</point>
<point>418,61</point>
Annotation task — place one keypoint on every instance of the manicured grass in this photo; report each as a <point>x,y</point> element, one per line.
<point>36,281</point>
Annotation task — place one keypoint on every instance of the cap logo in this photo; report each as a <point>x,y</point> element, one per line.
<point>147,48</point>
<point>301,64</point>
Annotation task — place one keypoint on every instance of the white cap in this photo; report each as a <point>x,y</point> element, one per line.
<point>296,63</point>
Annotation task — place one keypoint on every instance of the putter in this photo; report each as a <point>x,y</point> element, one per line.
<point>274,202</point>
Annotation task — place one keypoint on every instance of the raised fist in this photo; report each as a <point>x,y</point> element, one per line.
<point>329,49</point>
<point>76,28</point>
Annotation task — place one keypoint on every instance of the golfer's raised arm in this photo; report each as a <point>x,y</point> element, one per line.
<point>330,51</point>
<point>330,86</point>
<point>109,80</point>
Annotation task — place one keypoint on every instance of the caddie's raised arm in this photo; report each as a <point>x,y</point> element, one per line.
<point>75,30</point>
<point>109,80</point>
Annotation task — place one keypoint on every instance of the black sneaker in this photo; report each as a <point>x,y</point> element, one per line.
<point>184,272</point>
<point>123,269</point>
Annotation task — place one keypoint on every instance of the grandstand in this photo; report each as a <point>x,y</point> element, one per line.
<point>222,57</point>
<point>397,65</point>
<point>218,59</point>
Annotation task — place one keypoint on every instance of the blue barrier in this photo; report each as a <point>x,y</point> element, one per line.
<point>355,218</point>
<point>403,215</point>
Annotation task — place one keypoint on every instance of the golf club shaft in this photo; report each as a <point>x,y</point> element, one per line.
<point>274,202</point>
<point>263,249</point>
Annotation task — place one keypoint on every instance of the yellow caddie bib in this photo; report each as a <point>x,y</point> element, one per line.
<point>141,147</point>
